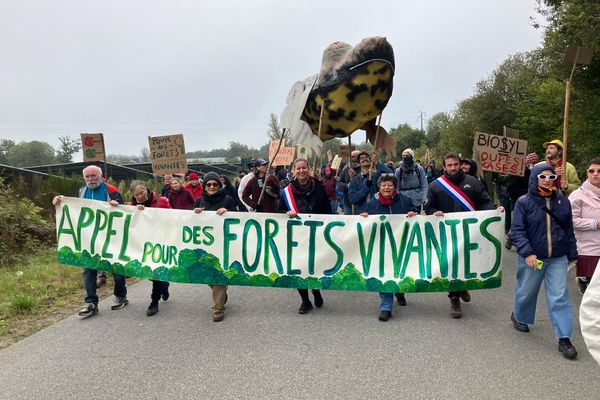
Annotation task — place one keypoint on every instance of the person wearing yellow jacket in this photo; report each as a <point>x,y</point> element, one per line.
<point>567,180</point>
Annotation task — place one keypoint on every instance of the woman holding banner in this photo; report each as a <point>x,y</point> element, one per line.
<point>304,194</point>
<point>142,198</point>
<point>215,199</point>
<point>542,231</point>
<point>586,222</point>
<point>389,201</point>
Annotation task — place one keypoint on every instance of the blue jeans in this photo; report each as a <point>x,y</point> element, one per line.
<point>554,276</point>
<point>387,301</point>
<point>334,206</point>
<point>89,283</point>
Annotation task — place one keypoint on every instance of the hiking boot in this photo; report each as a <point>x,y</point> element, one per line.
<point>455,311</point>
<point>152,309</point>
<point>305,307</point>
<point>318,298</point>
<point>401,299</point>
<point>465,296</point>
<point>88,309</point>
<point>582,284</point>
<point>218,315</point>
<point>566,348</point>
<point>119,302</point>
<point>521,327</point>
<point>385,315</point>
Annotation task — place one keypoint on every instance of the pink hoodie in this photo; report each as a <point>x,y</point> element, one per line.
<point>585,203</point>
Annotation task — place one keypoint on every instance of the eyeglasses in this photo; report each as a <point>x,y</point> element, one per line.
<point>388,174</point>
<point>593,171</point>
<point>211,184</point>
<point>551,177</point>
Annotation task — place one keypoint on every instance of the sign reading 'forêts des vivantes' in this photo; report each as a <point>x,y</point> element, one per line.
<point>389,253</point>
<point>92,145</point>
<point>167,154</point>
<point>501,154</point>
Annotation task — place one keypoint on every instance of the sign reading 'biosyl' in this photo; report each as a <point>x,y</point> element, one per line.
<point>167,154</point>
<point>501,154</point>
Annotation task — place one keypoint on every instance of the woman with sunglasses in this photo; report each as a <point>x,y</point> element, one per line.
<point>542,231</point>
<point>215,199</point>
<point>388,201</point>
<point>586,221</point>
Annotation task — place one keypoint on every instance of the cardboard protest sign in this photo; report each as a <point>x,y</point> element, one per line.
<point>501,154</point>
<point>345,150</point>
<point>92,145</point>
<point>302,151</point>
<point>337,161</point>
<point>273,147</point>
<point>380,253</point>
<point>168,155</point>
<point>329,155</point>
<point>285,156</point>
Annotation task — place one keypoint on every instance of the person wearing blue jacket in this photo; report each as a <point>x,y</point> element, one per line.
<point>542,231</point>
<point>388,201</point>
<point>363,185</point>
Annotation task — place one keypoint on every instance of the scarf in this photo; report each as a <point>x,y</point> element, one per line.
<point>303,190</point>
<point>455,179</point>
<point>559,163</point>
<point>591,189</point>
<point>385,201</point>
<point>543,192</point>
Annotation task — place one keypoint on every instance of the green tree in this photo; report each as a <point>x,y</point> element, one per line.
<point>27,154</point>
<point>407,137</point>
<point>66,148</point>
<point>5,146</point>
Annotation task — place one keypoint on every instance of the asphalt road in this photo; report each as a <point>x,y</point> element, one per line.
<point>265,350</point>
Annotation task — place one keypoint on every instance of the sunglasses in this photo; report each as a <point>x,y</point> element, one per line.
<point>551,177</point>
<point>388,174</point>
<point>593,171</point>
<point>210,184</point>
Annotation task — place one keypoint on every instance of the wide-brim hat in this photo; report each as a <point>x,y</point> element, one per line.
<point>555,142</point>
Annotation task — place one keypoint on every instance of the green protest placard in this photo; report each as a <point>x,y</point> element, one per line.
<point>381,253</point>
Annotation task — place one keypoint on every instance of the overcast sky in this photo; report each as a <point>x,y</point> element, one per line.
<point>215,71</point>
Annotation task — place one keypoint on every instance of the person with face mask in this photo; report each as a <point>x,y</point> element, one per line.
<point>412,181</point>
<point>542,231</point>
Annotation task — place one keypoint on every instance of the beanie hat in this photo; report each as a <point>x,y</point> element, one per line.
<point>192,176</point>
<point>532,158</point>
<point>409,151</point>
<point>212,176</point>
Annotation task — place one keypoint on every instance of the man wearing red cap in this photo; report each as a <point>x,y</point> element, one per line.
<point>194,186</point>
<point>567,180</point>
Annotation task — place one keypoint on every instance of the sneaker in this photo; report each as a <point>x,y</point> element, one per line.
<point>566,348</point>
<point>218,315</point>
<point>401,299</point>
<point>385,315</point>
<point>305,307</point>
<point>152,309</point>
<point>455,311</point>
<point>88,309</point>
<point>521,327</point>
<point>119,302</point>
<point>465,296</point>
<point>318,298</point>
<point>582,284</point>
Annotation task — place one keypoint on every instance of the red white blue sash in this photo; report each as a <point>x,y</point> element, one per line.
<point>288,197</point>
<point>455,193</point>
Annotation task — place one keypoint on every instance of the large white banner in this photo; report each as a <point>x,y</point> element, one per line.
<point>389,253</point>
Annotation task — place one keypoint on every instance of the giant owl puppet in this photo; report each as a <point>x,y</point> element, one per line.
<point>352,88</point>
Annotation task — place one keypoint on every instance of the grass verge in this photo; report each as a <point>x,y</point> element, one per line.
<point>37,293</point>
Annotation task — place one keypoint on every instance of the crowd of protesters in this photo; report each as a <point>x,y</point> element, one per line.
<point>550,217</point>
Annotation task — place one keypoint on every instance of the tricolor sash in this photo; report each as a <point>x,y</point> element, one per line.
<point>288,197</point>
<point>455,193</point>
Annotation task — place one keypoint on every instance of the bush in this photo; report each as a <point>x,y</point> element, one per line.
<point>25,230</point>
<point>23,304</point>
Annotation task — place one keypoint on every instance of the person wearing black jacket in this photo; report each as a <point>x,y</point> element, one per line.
<point>440,202</point>
<point>215,199</point>
<point>310,197</point>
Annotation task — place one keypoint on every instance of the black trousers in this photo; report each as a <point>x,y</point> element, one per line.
<point>158,289</point>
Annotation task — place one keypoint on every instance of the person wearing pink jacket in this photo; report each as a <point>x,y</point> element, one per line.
<point>585,202</point>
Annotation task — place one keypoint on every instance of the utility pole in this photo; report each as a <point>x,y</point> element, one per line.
<point>421,117</point>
